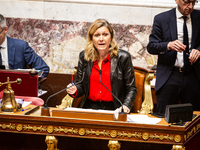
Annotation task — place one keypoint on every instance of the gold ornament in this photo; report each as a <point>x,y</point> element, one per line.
<point>50,129</point>
<point>19,127</point>
<point>113,133</point>
<point>177,138</point>
<point>145,136</point>
<point>81,131</point>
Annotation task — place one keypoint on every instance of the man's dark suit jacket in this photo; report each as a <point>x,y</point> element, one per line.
<point>20,54</point>
<point>165,30</point>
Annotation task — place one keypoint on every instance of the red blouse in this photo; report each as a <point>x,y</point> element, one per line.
<point>97,91</point>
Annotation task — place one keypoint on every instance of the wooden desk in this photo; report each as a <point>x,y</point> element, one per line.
<point>29,131</point>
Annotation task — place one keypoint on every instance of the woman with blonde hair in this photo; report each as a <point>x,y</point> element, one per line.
<point>105,74</point>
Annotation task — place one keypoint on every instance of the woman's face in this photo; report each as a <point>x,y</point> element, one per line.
<point>101,39</point>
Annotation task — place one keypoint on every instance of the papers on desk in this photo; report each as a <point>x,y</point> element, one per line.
<point>144,119</point>
<point>132,118</point>
<point>21,101</point>
<point>153,82</point>
<point>25,103</point>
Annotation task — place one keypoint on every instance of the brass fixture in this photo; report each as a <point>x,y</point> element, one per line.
<point>147,105</point>
<point>8,103</point>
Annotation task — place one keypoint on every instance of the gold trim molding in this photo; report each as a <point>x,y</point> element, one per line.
<point>192,131</point>
<point>86,132</point>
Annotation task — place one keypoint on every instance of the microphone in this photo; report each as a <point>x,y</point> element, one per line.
<point>45,109</point>
<point>122,112</point>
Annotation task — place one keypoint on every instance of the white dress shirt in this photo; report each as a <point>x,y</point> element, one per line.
<point>180,21</point>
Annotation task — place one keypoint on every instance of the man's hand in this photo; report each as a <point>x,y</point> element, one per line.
<point>176,46</point>
<point>194,55</point>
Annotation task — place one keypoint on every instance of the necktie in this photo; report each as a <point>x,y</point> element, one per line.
<point>0,57</point>
<point>185,42</point>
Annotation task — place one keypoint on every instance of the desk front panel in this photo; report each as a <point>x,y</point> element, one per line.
<point>94,130</point>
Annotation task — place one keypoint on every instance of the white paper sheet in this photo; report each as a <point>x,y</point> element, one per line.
<point>153,82</point>
<point>143,119</point>
<point>25,103</point>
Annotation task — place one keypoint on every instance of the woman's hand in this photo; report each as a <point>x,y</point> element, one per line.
<point>71,89</point>
<point>125,108</point>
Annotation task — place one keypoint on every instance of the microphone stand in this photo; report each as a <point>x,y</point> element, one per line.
<point>122,114</point>
<point>45,111</point>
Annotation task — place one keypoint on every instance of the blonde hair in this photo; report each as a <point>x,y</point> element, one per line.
<point>90,52</point>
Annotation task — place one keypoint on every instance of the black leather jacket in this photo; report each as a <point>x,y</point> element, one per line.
<point>122,79</point>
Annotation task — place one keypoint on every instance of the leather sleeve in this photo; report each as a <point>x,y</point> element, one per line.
<point>123,85</point>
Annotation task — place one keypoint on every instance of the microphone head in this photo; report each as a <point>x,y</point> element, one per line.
<point>100,71</point>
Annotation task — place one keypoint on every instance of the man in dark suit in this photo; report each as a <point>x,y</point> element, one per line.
<point>178,48</point>
<point>17,54</point>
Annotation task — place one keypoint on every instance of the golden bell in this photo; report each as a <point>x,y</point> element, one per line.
<point>8,103</point>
